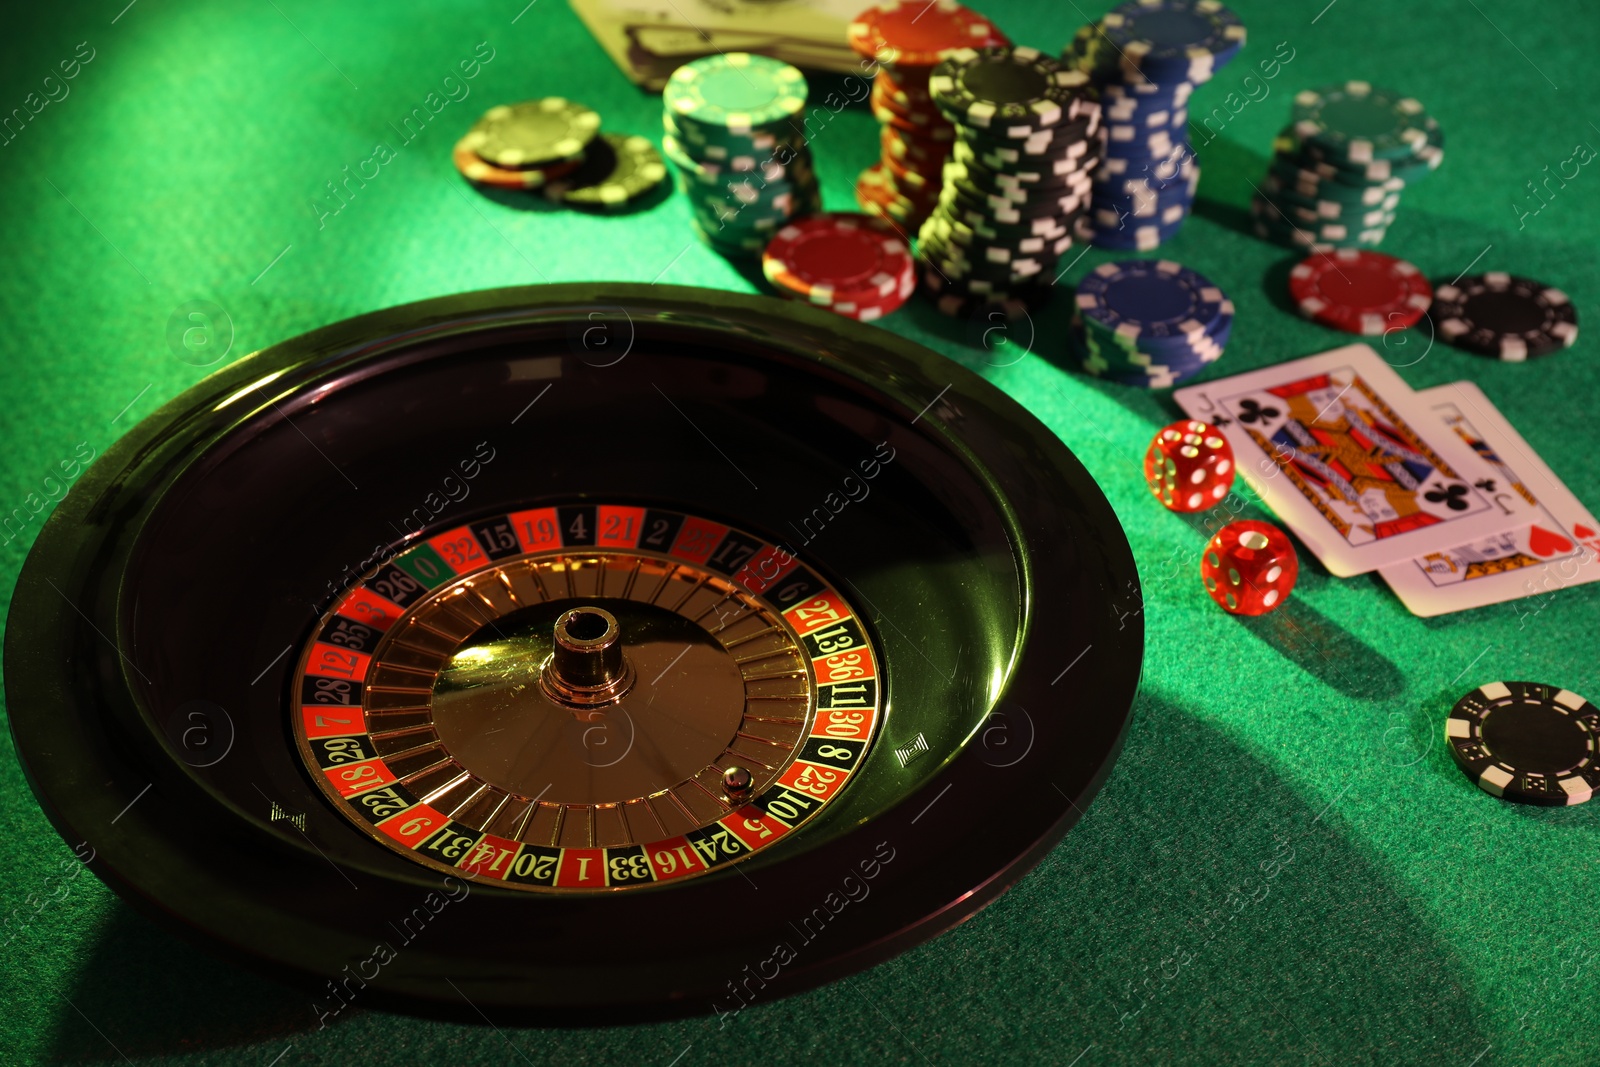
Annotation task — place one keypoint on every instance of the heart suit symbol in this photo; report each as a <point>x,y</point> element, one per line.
<point>1547,542</point>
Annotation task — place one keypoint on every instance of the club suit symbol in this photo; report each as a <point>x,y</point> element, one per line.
<point>1251,411</point>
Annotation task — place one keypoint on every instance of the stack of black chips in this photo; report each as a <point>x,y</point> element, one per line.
<point>1028,138</point>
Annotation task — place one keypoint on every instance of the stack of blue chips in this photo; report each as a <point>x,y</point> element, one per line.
<point>1146,57</point>
<point>1147,322</point>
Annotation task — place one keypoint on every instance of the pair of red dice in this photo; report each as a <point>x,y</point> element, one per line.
<point>1249,567</point>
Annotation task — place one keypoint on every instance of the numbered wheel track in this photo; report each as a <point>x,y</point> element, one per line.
<point>323,658</point>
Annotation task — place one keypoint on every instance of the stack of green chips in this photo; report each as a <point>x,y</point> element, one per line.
<point>1338,170</point>
<point>735,132</point>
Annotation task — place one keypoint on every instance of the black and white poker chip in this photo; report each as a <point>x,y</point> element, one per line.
<point>1527,742</point>
<point>1501,315</point>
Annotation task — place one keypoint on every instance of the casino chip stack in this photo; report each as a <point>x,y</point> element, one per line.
<point>1512,319</point>
<point>1147,56</point>
<point>1149,322</point>
<point>1338,170</point>
<point>1027,139</point>
<point>734,132</point>
<point>553,146</point>
<point>906,41</point>
<point>854,265</point>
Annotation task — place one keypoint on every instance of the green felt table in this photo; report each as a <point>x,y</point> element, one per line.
<point>1284,867</point>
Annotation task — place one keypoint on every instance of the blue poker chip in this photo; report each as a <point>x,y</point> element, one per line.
<point>1166,220</point>
<point>1140,107</point>
<point>1171,40</point>
<point>1169,128</point>
<point>1097,362</point>
<point>1165,223</point>
<point>1126,135</point>
<point>1144,93</point>
<point>1157,182</point>
<point>1141,64</point>
<point>1143,203</point>
<point>1105,359</point>
<point>1174,349</point>
<point>1150,298</point>
<point>1145,187</point>
<point>1140,207</point>
<point>1111,362</point>
<point>1148,151</point>
<point>1155,127</point>
<point>1169,192</point>
<point>1147,378</point>
<point>1109,218</point>
<point>1163,167</point>
<point>1173,357</point>
<point>1178,347</point>
<point>1134,235</point>
<point>1136,239</point>
<point>1171,125</point>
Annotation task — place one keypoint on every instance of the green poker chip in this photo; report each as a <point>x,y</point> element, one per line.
<point>1358,123</point>
<point>725,148</point>
<point>731,243</point>
<point>1309,186</point>
<point>535,133</point>
<point>739,153</point>
<point>736,91</point>
<point>619,170</point>
<point>1311,156</point>
<point>1270,223</point>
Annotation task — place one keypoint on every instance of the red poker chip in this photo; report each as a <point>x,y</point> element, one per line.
<point>906,92</point>
<point>916,151</point>
<point>908,80</point>
<point>879,194</point>
<point>915,114</point>
<point>915,34</point>
<point>476,169</point>
<point>914,178</point>
<point>940,131</point>
<point>913,151</point>
<point>869,311</point>
<point>1360,291</point>
<point>874,190</point>
<point>851,263</point>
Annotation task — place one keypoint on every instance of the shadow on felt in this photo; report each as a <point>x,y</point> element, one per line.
<point>1203,907</point>
<point>151,993</point>
<point>1201,903</point>
<point>1299,632</point>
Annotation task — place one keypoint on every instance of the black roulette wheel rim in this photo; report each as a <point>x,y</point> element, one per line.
<point>101,655</point>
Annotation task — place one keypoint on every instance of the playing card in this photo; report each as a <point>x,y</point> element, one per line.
<point>1347,456</point>
<point>1558,548</point>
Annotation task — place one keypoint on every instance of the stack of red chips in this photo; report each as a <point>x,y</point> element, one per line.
<point>906,41</point>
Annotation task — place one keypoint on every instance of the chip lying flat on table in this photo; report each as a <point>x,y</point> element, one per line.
<point>535,133</point>
<point>855,265</point>
<point>1360,291</point>
<point>619,170</point>
<point>1531,743</point>
<point>1507,317</point>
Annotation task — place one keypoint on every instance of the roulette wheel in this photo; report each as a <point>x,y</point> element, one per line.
<point>580,652</point>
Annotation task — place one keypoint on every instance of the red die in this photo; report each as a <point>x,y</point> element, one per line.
<point>1189,466</point>
<point>1249,567</point>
